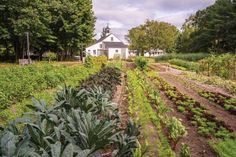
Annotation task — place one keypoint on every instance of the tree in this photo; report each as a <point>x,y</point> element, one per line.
<point>153,35</point>
<point>64,26</point>
<point>214,28</point>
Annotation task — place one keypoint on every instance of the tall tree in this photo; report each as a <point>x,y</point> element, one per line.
<point>153,35</point>
<point>215,28</point>
<point>64,26</point>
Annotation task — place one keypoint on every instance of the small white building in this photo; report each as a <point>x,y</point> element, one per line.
<point>110,46</point>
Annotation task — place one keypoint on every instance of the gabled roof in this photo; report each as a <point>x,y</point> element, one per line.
<point>115,45</point>
<point>102,38</point>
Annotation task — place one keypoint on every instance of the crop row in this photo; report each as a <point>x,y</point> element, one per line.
<point>226,102</point>
<point>208,125</point>
<point>17,83</point>
<point>142,112</point>
<point>147,107</point>
<point>80,123</point>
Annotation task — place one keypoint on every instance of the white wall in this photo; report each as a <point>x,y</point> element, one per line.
<point>112,52</point>
<point>90,50</point>
<point>115,39</point>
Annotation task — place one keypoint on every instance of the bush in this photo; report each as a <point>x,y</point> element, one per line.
<point>223,66</point>
<point>141,62</point>
<point>187,57</point>
<point>51,56</point>
<point>93,62</point>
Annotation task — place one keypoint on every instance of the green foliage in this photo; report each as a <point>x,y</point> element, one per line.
<point>61,26</point>
<point>141,110</point>
<point>210,30</point>
<point>141,62</point>
<point>107,78</point>
<point>192,66</point>
<point>225,148</point>
<point>176,130</point>
<point>17,83</point>
<point>93,62</point>
<point>184,150</point>
<point>228,85</point>
<point>223,66</point>
<point>183,56</point>
<point>69,127</point>
<point>51,56</point>
<point>153,35</point>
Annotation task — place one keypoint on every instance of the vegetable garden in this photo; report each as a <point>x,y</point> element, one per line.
<point>166,113</point>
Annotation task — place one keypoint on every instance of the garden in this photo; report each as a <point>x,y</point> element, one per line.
<point>113,108</point>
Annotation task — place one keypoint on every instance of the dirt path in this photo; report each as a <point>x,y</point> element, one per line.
<point>170,75</point>
<point>199,146</point>
<point>120,98</point>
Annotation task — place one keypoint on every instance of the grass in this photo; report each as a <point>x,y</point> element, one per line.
<point>183,56</point>
<point>225,148</point>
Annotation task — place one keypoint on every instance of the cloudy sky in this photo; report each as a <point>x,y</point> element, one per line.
<point>125,14</point>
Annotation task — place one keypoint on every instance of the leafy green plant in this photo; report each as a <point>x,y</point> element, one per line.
<point>225,147</point>
<point>51,56</point>
<point>184,150</point>
<point>141,62</point>
<point>176,130</point>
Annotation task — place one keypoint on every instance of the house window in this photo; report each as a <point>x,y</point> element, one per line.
<point>89,50</point>
<point>117,51</point>
<point>112,39</point>
<point>94,52</point>
<point>100,45</point>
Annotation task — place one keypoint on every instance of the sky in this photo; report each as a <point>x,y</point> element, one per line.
<point>122,15</point>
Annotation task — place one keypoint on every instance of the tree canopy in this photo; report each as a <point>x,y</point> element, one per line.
<point>63,26</point>
<point>153,35</point>
<point>211,29</point>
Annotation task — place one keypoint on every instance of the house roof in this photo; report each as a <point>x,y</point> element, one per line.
<point>102,38</point>
<point>115,45</point>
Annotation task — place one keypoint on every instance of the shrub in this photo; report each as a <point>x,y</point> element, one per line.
<point>51,56</point>
<point>141,62</point>
<point>95,61</point>
<point>223,66</point>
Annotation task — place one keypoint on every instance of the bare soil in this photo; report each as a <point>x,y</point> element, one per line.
<point>170,76</point>
<point>120,98</point>
<point>199,146</point>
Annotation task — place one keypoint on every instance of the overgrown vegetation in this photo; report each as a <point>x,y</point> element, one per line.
<point>94,62</point>
<point>182,56</point>
<point>17,83</point>
<point>223,66</point>
<point>192,66</point>
<point>80,123</point>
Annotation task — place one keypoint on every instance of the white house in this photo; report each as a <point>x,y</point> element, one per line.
<point>108,45</point>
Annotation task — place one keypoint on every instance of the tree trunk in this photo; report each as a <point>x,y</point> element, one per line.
<point>17,49</point>
<point>7,50</point>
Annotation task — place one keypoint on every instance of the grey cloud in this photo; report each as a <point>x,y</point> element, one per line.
<point>125,14</point>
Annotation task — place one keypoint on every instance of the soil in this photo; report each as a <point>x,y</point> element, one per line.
<point>170,76</point>
<point>199,146</point>
<point>120,98</point>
